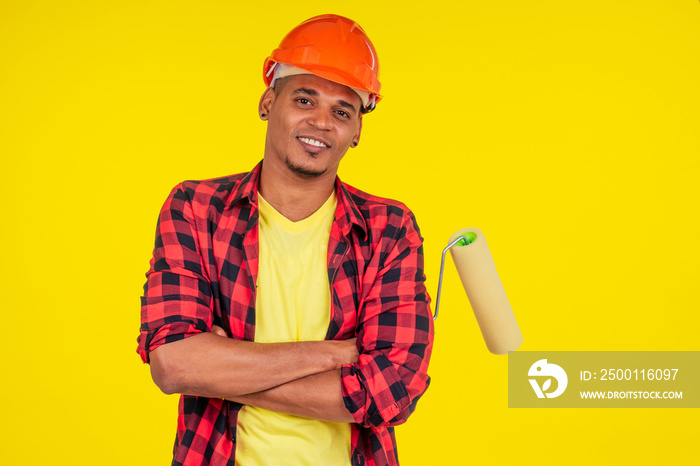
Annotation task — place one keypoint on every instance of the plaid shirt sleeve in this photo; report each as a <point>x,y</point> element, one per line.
<point>395,328</point>
<point>177,301</point>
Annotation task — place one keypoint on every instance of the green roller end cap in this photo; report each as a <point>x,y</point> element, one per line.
<point>469,239</point>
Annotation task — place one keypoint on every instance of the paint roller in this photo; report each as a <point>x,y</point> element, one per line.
<point>488,299</point>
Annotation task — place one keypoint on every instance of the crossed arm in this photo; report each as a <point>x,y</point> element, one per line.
<point>300,378</point>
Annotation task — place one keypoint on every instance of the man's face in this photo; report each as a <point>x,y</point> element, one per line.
<point>311,124</point>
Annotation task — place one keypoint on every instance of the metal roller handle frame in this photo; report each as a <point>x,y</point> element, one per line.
<point>442,268</point>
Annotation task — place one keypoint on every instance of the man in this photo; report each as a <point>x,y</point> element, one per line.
<point>274,365</point>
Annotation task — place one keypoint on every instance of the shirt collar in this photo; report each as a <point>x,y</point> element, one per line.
<point>347,213</point>
<point>247,188</point>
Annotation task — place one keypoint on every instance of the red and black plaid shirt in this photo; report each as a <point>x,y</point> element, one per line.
<point>203,273</point>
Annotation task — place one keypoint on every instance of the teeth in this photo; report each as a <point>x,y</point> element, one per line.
<point>313,142</point>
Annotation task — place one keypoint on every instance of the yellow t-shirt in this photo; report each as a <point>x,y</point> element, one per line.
<point>293,304</point>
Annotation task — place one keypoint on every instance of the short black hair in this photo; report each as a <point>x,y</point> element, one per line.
<point>279,84</point>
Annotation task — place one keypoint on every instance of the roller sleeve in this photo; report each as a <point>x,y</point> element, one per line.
<point>486,295</point>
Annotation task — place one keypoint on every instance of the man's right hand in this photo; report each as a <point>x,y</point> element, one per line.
<point>346,351</point>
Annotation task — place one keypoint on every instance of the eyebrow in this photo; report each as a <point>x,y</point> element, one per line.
<point>314,93</point>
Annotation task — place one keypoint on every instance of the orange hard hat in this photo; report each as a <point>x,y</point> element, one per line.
<point>332,47</point>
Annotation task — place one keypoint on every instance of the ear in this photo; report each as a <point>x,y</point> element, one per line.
<point>265,104</point>
<point>356,136</point>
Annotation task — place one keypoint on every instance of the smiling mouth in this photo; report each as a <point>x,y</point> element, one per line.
<point>312,142</point>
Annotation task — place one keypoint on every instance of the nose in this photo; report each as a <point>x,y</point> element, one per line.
<point>321,118</point>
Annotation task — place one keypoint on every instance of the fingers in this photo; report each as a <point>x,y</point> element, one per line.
<point>352,353</point>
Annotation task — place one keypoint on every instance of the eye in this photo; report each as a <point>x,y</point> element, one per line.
<point>343,113</point>
<point>304,101</point>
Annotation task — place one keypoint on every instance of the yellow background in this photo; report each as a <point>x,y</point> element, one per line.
<point>566,131</point>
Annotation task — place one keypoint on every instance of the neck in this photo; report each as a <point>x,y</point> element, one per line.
<point>294,197</point>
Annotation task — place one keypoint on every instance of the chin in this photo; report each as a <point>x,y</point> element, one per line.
<point>305,172</point>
